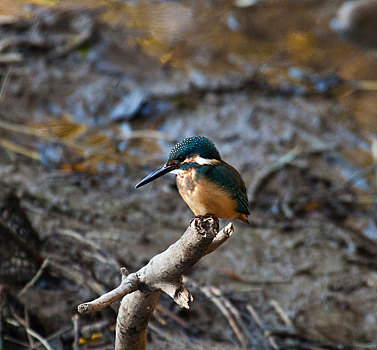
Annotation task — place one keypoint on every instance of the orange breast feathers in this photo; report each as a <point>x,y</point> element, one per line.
<point>205,197</point>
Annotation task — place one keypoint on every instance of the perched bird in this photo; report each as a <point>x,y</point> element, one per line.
<point>206,183</point>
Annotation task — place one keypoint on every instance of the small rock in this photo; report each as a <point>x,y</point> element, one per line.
<point>128,106</point>
<point>357,22</point>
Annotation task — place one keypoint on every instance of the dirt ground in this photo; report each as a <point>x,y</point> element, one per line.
<point>93,97</point>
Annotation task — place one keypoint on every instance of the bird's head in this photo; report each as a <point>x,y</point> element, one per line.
<point>196,150</point>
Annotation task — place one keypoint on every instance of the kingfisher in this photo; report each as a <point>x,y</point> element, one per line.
<point>208,185</point>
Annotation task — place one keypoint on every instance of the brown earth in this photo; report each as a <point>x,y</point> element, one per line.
<point>90,108</point>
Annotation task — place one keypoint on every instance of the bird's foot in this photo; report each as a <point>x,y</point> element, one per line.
<point>213,216</point>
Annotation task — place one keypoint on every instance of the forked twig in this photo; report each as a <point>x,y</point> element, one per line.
<point>19,322</point>
<point>141,290</point>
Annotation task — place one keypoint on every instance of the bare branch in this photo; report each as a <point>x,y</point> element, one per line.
<point>141,290</point>
<point>128,285</point>
<point>221,238</point>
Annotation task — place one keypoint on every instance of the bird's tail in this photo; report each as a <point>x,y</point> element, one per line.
<point>244,218</point>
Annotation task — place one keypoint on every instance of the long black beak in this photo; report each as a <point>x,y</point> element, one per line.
<point>156,174</point>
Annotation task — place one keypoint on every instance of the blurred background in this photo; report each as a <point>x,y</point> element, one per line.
<point>94,94</point>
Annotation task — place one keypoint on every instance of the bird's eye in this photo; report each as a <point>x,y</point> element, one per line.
<point>181,158</point>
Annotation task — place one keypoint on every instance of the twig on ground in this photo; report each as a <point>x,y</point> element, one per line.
<point>73,42</point>
<point>76,275</point>
<point>240,279</point>
<point>34,279</point>
<point>27,324</point>
<point>365,261</point>
<point>20,323</point>
<point>59,332</point>
<point>159,332</point>
<point>85,150</point>
<point>39,133</point>
<point>37,336</point>
<point>13,41</point>
<point>8,20</point>
<point>242,290</point>
<point>158,317</point>
<point>8,58</point>
<point>265,174</point>
<point>283,315</point>
<point>27,152</point>
<point>219,303</point>
<point>253,313</point>
<point>16,341</point>
<point>76,330</point>
<point>4,82</point>
<point>282,331</point>
<point>97,255</point>
<point>163,335</point>
<point>366,85</point>
<point>164,311</point>
<point>86,331</point>
<point>331,193</point>
<point>232,310</point>
<point>372,346</point>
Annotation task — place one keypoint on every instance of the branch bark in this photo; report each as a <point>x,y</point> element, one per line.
<point>141,290</point>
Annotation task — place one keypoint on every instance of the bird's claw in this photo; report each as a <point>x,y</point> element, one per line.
<point>213,216</point>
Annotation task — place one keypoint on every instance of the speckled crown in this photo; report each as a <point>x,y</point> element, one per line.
<point>194,145</point>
